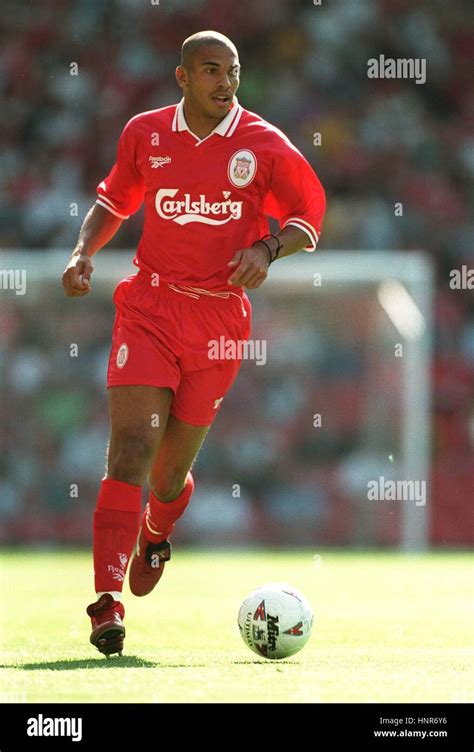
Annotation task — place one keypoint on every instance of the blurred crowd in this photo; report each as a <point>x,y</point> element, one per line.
<point>270,471</point>
<point>383,142</point>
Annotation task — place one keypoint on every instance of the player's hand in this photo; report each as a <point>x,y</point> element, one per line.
<point>250,267</point>
<point>76,277</point>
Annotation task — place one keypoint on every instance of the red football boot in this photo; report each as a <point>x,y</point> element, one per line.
<point>108,630</point>
<point>147,564</point>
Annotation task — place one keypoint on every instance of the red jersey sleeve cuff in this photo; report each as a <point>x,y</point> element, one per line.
<point>106,203</point>
<point>305,226</point>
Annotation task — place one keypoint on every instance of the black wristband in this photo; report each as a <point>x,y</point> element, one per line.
<point>270,255</point>
<point>270,258</point>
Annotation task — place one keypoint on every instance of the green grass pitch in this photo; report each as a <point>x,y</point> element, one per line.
<point>388,627</point>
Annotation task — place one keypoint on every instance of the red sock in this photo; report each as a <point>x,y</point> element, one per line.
<point>116,525</point>
<point>161,516</point>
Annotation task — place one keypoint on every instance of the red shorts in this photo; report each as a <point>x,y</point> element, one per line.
<point>164,338</point>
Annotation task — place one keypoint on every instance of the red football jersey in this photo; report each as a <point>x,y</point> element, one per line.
<point>207,198</point>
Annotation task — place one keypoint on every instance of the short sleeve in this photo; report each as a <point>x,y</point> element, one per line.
<point>123,190</point>
<point>296,196</point>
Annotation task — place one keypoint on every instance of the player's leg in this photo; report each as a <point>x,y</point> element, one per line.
<point>175,457</point>
<point>138,417</point>
<point>138,421</point>
<point>202,387</point>
<point>171,486</point>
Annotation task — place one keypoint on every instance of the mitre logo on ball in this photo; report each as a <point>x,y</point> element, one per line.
<point>242,168</point>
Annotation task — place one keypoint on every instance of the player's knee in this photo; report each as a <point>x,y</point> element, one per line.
<point>132,453</point>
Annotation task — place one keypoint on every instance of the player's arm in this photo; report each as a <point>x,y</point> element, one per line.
<point>296,199</point>
<point>98,228</point>
<point>252,263</point>
<point>118,196</point>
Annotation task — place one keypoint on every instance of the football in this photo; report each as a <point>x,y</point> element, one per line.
<point>275,620</point>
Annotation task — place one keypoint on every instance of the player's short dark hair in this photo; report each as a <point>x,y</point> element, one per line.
<point>201,38</point>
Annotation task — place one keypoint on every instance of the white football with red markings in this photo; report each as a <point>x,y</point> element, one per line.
<point>275,620</point>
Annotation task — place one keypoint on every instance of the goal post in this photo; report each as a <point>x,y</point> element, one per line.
<point>404,284</point>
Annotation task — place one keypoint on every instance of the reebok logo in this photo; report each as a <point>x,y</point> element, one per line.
<point>186,210</point>
<point>156,162</point>
<point>117,572</point>
<point>42,726</point>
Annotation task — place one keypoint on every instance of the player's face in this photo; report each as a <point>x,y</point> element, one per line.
<point>210,84</point>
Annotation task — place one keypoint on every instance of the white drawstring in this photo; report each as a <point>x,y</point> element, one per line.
<point>176,289</point>
<point>196,292</point>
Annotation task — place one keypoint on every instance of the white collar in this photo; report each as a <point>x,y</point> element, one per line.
<point>225,128</point>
